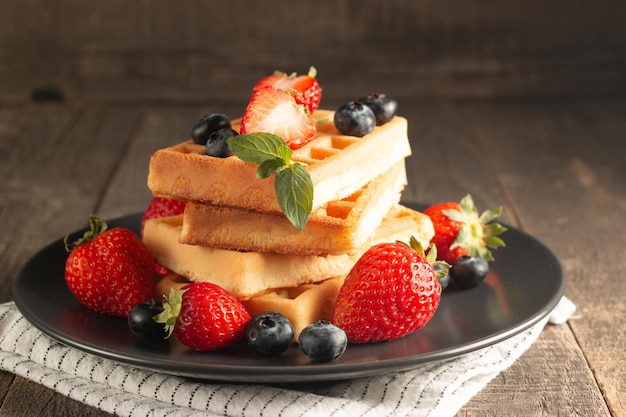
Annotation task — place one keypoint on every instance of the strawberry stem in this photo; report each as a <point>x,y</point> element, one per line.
<point>477,232</point>
<point>171,310</point>
<point>430,256</point>
<point>97,226</point>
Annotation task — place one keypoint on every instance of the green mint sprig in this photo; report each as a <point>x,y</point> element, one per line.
<point>293,185</point>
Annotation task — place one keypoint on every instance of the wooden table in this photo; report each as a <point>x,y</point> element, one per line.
<point>558,168</point>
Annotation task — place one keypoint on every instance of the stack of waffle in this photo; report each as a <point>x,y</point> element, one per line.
<point>233,233</point>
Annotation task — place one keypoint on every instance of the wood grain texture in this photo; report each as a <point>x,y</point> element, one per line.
<point>54,179</point>
<point>575,205</point>
<point>203,51</point>
<point>552,380</point>
<point>30,399</point>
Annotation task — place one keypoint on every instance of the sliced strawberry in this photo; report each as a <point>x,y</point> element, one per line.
<point>305,89</point>
<point>271,110</point>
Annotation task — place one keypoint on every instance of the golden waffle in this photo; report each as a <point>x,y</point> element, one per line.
<point>246,274</point>
<point>339,166</point>
<point>302,305</point>
<point>339,227</point>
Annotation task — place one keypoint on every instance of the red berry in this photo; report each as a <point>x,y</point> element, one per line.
<point>109,271</point>
<point>305,89</point>
<point>162,207</point>
<point>274,111</point>
<point>391,291</point>
<point>460,230</point>
<point>205,317</point>
<point>446,231</point>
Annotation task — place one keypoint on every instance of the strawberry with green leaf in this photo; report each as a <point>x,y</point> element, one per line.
<point>109,271</point>
<point>460,230</point>
<point>391,291</point>
<point>204,316</point>
<point>293,185</point>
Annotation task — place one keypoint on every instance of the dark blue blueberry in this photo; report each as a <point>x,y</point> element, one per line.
<point>354,119</point>
<point>142,324</point>
<point>383,106</point>
<point>208,124</point>
<point>216,144</point>
<point>269,333</point>
<point>322,341</point>
<point>469,271</point>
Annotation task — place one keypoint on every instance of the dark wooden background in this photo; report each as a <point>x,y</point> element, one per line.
<point>521,103</point>
<point>201,51</point>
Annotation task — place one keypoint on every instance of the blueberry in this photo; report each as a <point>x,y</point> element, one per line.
<point>445,280</point>
<point>269,333</point>
<point>208,124</point>
<point>354,119</point>
<point>469,271</point>
<point>216,144</point>
<point>141,323</point>
<point>383,106</point>
<point>322,341</point>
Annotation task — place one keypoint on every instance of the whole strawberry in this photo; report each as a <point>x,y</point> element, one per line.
<point>305,89</point>
<point>391,291</point>
<point>460,230</point>
<point>204,316</point>
<point>109,271</point>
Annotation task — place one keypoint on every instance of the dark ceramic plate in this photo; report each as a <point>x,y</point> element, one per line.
<point>524,285</point>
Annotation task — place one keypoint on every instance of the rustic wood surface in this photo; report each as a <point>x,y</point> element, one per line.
<point>420,49</point>
<point>521,104</point>
<point>558,168</point>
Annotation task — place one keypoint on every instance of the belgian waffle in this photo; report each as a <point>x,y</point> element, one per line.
<point>339,227</point>
<point>339,166</point>
<point>247,274</point>
<point>302,305</point>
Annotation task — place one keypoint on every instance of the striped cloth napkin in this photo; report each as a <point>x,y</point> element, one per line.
<point>435,389</point>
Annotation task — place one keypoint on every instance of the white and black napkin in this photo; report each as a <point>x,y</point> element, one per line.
<point>434,389</point>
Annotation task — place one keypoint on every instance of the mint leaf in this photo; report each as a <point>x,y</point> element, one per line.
<point>294,190</point>
<point>270,166</point>
<point>259,147</point>
<point>293,185</point>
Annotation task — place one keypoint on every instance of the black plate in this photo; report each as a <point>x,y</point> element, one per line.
<point>524,285</point>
